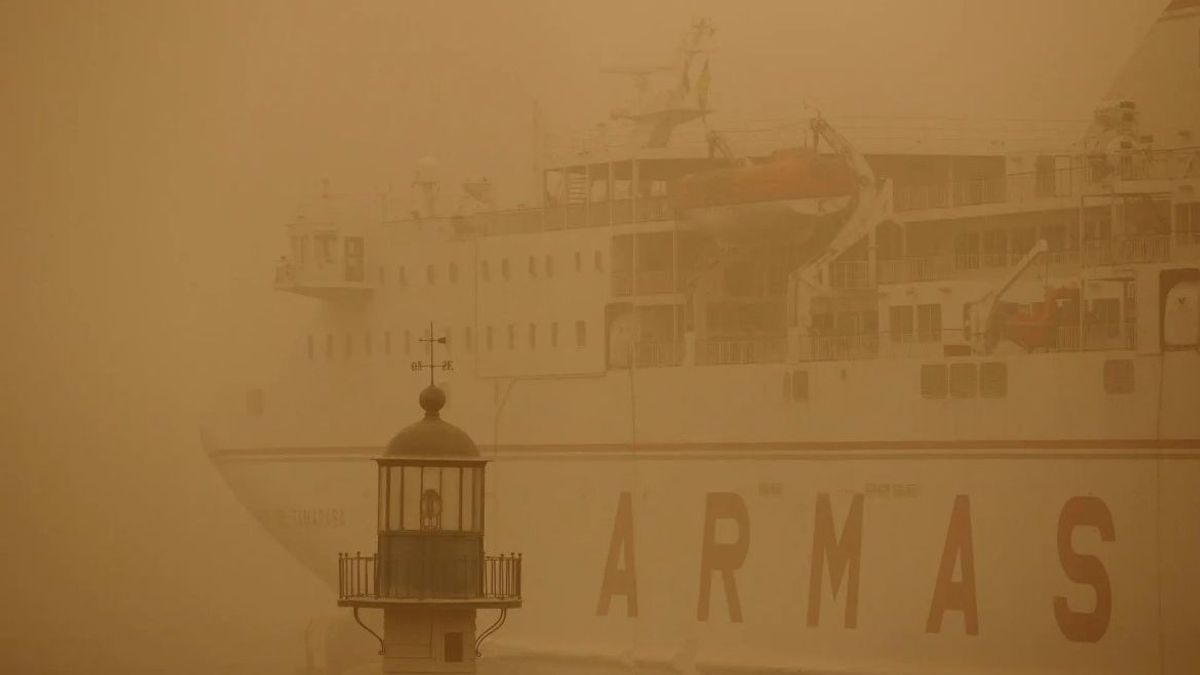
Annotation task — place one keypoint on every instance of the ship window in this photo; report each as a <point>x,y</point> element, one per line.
<point>533,336</point>
<point>512,336</point>
<point>599,261</point>
<point>487,338</point>
<point>367,344</point>
<point>402,276</point>
<point>578,261</point>
<point>387,343</point>
<point>964,380</point>
<point>349,344</point>
<point>504,268</point>
<point>929,323</point>
<point>329,346</point>
<point>312,348</point>
<point>554,334</point>
<point>966,249</point>
<point>1118,376</point>
<point>484,271</point>
<point>580,333</point>
<point>933,381</point>
<point>900,323</point>
<point>799,385</point>
<point>993,379</point>
<point>453,273</point>
<point>549,264</point>
<point>532,266</point>
<point>430,274</point>
<point>453,647</point>
<point>325,247</point>
<point>467,339</point>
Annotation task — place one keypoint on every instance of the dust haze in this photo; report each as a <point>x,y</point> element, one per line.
<point>154,151</point>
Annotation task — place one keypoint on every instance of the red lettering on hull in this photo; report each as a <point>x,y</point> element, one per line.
<point>724,558</point>
<point>1084,569</point>
<point>843,556</point>
<point>620,580</point>
<point>947,593</point>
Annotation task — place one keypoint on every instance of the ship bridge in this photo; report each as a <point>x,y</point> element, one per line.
<point>327,257</point>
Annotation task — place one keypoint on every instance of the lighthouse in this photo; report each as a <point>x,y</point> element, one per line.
<point>430,574</point>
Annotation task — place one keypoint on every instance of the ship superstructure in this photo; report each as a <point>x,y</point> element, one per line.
<point>896,332</point>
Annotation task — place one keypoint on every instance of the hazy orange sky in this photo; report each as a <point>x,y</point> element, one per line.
<point>153,151</point>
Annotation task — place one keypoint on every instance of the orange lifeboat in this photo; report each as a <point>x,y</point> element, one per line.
<point>788,174</point>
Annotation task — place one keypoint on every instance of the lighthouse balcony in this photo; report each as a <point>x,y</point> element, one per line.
<point>468,581</point>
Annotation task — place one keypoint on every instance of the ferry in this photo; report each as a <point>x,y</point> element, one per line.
<point>822,407</point>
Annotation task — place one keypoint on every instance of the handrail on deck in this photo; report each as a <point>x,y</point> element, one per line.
<point>492,577</point>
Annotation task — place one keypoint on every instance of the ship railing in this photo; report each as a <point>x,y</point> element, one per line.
<point>1076,177</point>
<point>554,217</point>
<point>1131,249</point>
<point>645,282</point>
<point>369,577</point>
<point>1126,250</point>
<point>658,354</point>
<point>1188,238</point>
<point>849,274</point>
<point>654,281</point>
<point>622,283</point>
<point>1096,336</point>
<point>838,347</point>
<point>729,352</point>
<point>927,268</point>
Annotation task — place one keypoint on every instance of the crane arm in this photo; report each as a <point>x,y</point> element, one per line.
<point>979,313</point>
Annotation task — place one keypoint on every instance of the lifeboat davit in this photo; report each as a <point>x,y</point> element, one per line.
<point>796,194</point>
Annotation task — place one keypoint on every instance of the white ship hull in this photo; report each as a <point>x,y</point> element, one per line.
<point>317,503</point>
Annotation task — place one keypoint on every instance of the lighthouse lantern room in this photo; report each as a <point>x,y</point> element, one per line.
<point>430,573</point>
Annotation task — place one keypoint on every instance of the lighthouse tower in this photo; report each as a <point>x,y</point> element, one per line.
<point>430,574</point>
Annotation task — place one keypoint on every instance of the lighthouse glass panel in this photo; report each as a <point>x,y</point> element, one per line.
<point>431,498</point>
<point>411,508</point>
<point>451,498</point>
<point>393,489</point>
<point>383,498</point>
<point>468,499</point>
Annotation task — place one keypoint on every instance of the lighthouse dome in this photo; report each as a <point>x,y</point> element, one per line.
<point>432,437</point>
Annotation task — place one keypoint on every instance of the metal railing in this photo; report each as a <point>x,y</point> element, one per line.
<point>724,352</point>
<point>653,354</point>
<point>646,282</point>
<point>1081,175</point>
<point>928,268</point>
<point>1111,335</point>
<point>1094,253</point>
<point>366,577</point>
<point>838,347</point>
<point>849,274</point>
